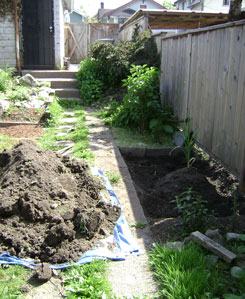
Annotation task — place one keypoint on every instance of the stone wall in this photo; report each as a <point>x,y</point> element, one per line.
<point>7,42</point>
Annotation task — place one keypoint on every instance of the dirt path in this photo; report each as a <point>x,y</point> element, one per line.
<point>130,277</point>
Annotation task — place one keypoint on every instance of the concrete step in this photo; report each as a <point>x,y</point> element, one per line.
<point>67,92</point>
<point>61,82</point>
<point>50,73</point>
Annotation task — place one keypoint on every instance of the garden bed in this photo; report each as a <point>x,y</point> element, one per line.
<point>160,177</point>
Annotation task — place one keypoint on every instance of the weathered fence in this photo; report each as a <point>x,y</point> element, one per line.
<point>203,76</point>
<point>78,37</point>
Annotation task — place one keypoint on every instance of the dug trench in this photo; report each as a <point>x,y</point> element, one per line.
<point>51,208</point>
<point>159,177</point>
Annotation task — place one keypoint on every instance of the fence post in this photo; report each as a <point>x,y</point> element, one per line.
<point>242,176</point>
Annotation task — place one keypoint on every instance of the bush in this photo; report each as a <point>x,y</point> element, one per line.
<point>112,63</point>
<point>89,82</point>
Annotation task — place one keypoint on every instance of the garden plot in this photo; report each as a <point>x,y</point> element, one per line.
<point>159,178</point>
<point>50,206</point>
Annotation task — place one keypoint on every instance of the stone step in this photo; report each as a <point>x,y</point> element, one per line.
<point>67,92</point>
<point>51,73</point>
<point>61,82</point>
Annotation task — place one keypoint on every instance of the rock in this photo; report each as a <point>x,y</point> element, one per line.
<point>29,80</point>
<point>211,259</point>
<point>43,272</point>
<point>25,289</point>
<point>215,236</point>
<point>43,95</point>
<point>174,245</point>
<point>17,104</point>
<point>232,236</point>
<point>4,105</point>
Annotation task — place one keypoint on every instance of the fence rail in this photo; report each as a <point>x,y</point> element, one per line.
<point>203,76</point>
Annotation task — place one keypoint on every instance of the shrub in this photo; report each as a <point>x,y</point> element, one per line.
<point>140,104</point>
<point>89,82</point>
<point>112,63</point>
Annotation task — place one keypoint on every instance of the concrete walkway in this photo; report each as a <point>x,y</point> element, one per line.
<point>130,277</point>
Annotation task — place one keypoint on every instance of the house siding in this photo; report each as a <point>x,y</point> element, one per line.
<point>7,42</point>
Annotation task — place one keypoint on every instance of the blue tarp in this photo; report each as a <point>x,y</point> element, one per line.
<point>124,241</point>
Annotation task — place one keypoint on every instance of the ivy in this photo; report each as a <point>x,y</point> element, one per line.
<point>7,7</point>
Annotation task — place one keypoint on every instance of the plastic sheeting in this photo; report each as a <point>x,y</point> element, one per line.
<point>116,247</point>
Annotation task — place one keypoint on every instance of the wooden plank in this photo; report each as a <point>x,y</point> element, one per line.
<point>214,247</point>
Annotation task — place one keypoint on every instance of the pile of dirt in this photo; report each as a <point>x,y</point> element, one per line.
<point>51,208</point>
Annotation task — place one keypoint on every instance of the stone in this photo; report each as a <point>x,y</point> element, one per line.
<point>174,245</point>
<point>232,236</point>
<point>4,106</point>
<point>43,272</point>
<point>215,236</point>
<point>211,259</point>
<point>69,120</point>
<point>29,80</point>
<point>43,95</point>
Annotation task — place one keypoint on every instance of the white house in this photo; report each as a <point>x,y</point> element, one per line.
<point>122,13</point>
<point>216,6</point>
<point>38,42</point>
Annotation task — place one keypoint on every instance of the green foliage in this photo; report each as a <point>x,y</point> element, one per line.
<point>6,81</point>
<point>139,224</point>
<point>168,5</point>
<point>89,81</point>
<point>192,209</point>
<point>184,274</point>
<point>113,177</point>
<point>18,93</point>
<point>87,281</point>
<point>112,63</point>
<point>186,140</point>
<point>7,7</point>
<point>12,278</point>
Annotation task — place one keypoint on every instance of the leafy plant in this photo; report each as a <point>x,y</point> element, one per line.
<point>140,104</point>
<point>6,81</point>
<point>87,281</point>
<point>139,224</point>
<point>185,140</point>
<point>192,209</point>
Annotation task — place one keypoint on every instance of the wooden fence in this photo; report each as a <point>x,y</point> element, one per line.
<point>78,37</point>
<point>203,76</point>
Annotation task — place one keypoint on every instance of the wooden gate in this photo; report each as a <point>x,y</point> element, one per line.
<point>78,37</point>
<point>38,34</point>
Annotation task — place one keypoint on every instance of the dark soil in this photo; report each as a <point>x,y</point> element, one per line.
<point>159,179</point>
<point>23,114</point>
<point>51,209</point>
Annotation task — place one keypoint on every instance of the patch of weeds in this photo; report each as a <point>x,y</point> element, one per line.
<point>192,209</point>
<point>131,137</point>
<point>55,113</point>
<point>184,274</point>
<point>12,278</point>
<point>139,224</point>
<point>87,281</point>
<point>113,177</point>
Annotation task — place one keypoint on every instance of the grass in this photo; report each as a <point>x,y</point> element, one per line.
<point>185,273</point>
<point>79,134</point>
<point>129,137</point>
<point>11,280</point>
<point>139,224</point>
<point>6,142</point>
<point>113,177</point>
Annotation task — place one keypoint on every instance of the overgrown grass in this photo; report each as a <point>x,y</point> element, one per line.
<point>185,274</point>
<point>11,280</point>
<point>113,177</point>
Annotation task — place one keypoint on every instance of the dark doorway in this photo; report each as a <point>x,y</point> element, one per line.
<point>38,34</point>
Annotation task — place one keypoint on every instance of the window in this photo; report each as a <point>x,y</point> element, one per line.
<point>226,2</point>
<point>143,6</point>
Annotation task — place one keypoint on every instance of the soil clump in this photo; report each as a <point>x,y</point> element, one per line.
<point>51,208</point>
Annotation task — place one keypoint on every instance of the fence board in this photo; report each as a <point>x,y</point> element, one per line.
<point>204,71</point>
